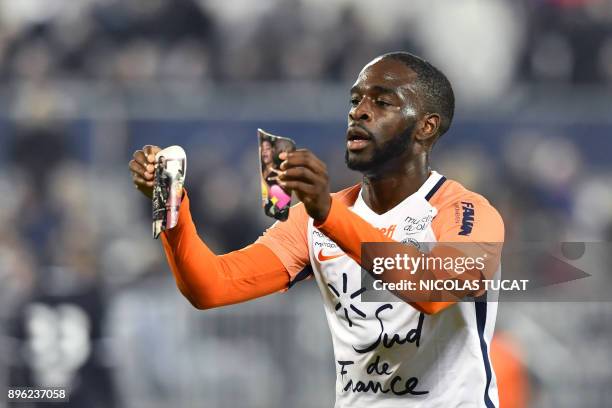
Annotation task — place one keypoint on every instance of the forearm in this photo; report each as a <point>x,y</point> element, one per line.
<point>208,280</point>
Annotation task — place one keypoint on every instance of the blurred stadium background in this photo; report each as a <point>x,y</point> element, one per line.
<point>86,298</point>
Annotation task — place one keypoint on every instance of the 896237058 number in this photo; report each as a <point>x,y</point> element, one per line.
<point>34,394</point>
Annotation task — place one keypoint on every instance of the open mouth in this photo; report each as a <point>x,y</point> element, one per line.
<point>357,138</point>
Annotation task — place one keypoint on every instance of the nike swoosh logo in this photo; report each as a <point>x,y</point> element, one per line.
<point>323,258</point>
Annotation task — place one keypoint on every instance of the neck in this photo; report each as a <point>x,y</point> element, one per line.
<point>386,189</point>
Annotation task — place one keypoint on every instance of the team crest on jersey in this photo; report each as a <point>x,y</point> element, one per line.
<point>413,242</point>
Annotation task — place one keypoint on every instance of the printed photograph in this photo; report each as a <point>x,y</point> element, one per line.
<point>276,201</point>
<point>170,169</point>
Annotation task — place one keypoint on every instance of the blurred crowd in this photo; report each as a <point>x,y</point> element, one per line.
<point>86,297</point>
<point>495,42</point>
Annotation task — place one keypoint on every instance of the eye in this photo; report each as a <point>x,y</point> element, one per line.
<point>381,102</point>
<point>355,101</point>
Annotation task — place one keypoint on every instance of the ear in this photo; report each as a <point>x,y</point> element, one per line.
<point>429,126</point>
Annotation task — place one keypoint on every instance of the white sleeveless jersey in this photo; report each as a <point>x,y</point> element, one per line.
<point>390,354</point>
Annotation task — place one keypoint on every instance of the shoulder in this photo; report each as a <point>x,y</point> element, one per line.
<point>465,213</point>
<point>348,196</point>
<point>452,192</point>
<point>452,195</point>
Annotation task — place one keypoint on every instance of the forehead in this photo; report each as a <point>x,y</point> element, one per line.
<point>388,73</point>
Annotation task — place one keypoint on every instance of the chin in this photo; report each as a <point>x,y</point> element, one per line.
<point>357,161</point>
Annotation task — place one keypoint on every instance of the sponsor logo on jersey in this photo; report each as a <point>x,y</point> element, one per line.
<point>467,219</point>
<point>320,240</point>
<point>353,295</point>
<point>418,224</point>
<point>388,231</point>
<point>322,257</point>
<point>329,244</point>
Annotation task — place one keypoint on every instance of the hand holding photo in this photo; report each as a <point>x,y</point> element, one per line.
<point>170,171</point>
<point>275,200</point>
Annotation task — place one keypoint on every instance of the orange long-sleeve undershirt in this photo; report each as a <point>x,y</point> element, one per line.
<point>208,280</point>
<point>268,265</point>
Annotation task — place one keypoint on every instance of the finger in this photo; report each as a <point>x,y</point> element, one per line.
<point>303,158</point>
<point>305,152</point>
<point>139,156</point>
<point>145,189</point>
<point>140,160</point>
<point>150,151</point>
<point>140,181</point>
<point>140,170</point>
<point>299,174</point>
<point>150,172</point>
<point>299,187</point>
<point>306,155</point>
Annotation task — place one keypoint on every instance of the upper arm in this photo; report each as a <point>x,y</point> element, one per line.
<point>474,227</point>
<point>468,219</point>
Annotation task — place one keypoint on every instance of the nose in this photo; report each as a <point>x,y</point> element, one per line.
<point>360,112</point>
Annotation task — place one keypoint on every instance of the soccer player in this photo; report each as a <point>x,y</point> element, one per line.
<point>387,354</point>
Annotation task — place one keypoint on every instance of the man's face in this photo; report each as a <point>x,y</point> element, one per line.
<point>383,115</point>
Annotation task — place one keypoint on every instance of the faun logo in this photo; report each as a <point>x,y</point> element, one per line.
<point>467,220</point>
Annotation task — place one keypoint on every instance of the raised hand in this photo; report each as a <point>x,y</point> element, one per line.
<point>142,167</point>
<point>303,173</point>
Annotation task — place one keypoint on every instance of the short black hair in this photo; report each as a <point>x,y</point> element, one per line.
<point>433,86</point>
